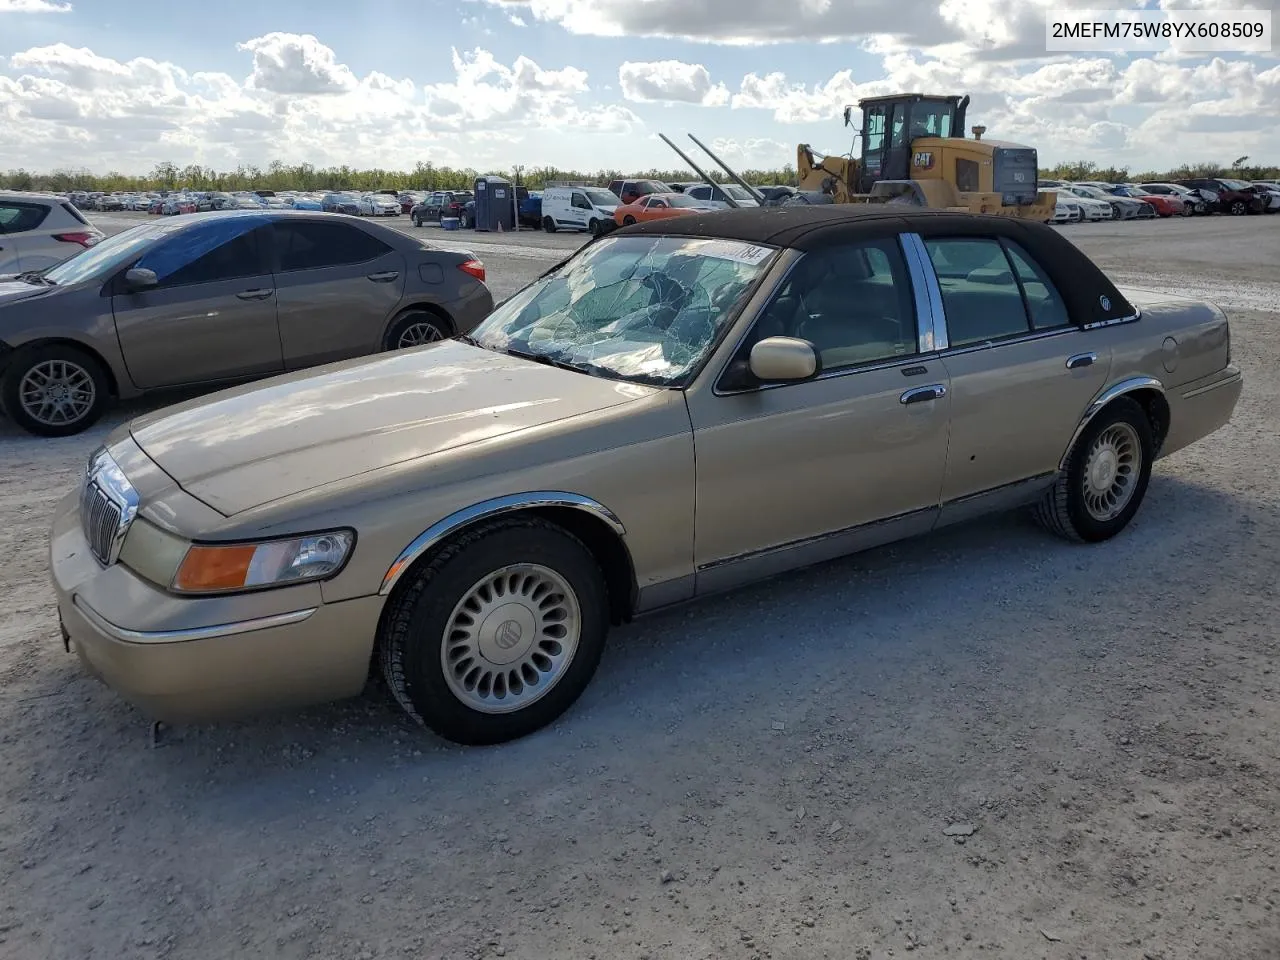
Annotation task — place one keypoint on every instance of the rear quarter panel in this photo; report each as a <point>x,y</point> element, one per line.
<point>1185,345</point>
<point>1176,340</point>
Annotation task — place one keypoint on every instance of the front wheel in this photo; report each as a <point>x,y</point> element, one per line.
<point>628,220</point>
<point>1239,208</point>
<point>499,634</point>
<point>54,391</point>
<point>595,227</point>
<point>1106,476</point>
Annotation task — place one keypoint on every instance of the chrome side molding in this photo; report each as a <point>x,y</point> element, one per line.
<point>491,508</point>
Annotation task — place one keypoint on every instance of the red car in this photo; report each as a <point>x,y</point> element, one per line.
<point>1166,205</point>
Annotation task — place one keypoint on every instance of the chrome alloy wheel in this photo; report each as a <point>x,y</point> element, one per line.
<point>416,334</point>
<point>57,392</point>
<point>511,638</point>
<point>1111,472</point>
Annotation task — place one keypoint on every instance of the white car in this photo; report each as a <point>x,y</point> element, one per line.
<point>1270,193</point>
<point>714,195</point>
<point>38,230</point>
<point>382,205</point>
<point>1065,211</point>
<point>1093,208</point>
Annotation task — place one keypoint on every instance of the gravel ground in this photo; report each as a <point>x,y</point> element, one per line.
<point>984,743</point>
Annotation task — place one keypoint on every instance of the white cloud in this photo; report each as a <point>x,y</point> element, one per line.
<point>299,103</point>
<point>34,6</point>
<point>296,63</point>
<point>516,20</point>
<point>670,81</point>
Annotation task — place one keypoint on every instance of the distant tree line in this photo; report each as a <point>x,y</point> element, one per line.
<point>428,176</point>
<point>1240,169</point>
<point>304,176</point>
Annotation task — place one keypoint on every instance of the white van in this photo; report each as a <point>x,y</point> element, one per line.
<point>715,195</point>
<point>577,208</point>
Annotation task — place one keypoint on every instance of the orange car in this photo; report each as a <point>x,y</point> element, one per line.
<point>657,206</point>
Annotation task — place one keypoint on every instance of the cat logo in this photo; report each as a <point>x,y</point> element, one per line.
<point>923,160</point>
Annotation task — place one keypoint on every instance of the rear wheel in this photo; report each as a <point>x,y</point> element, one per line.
<point>548,225</point>
<point>499,634</point>
<point>1106,476</point>
<point>54,391</point>
<point>414,329</point>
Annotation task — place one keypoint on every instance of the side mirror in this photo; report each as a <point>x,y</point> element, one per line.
<point>139,278</point>
<point>783,359</point>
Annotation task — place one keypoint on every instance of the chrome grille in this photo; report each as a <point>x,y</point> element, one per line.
<point>100,521</point>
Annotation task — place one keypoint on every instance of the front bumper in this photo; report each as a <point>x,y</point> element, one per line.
<point>197,660</point>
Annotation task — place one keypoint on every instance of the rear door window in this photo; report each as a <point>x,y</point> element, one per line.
<point>981,295</point>
<point>309,245</point>
<point>1044,302</point>
<point>20,217</point>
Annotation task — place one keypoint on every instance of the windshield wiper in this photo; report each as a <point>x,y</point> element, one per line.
<point>544,359</point>
<point>35,276</point>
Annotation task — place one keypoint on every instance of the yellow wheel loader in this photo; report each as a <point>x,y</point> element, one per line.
<point>914,151</point>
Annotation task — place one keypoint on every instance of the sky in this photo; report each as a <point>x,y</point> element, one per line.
<point>588,84</point>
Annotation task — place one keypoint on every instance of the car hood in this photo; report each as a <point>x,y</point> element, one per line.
<point>11,291</point>
<point>247,446</point>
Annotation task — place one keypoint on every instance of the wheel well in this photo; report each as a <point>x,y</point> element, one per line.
<point>1156,407</point>
<point>1153,404</point>
<point>607,547</point>
<point>75,345</point>
<point>431,308</point>
<point>603,542</point>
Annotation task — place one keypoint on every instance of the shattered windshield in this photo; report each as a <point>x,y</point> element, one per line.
<point>645,309</point>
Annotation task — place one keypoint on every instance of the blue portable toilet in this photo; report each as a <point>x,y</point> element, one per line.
<point>495,204</point>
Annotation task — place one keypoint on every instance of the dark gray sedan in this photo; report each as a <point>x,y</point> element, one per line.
<point>219,298</point>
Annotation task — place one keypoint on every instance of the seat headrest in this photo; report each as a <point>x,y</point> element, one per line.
<point>991,275</point>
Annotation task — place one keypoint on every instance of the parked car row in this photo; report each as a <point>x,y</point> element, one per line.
<point>1094,200</point>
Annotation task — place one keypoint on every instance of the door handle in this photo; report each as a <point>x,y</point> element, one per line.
<point>1081,360</point>
<point>385,277</point>
<point>935,391</point>
<point>255,294</point>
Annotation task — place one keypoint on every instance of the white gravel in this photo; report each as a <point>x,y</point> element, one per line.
<point>791,771</point>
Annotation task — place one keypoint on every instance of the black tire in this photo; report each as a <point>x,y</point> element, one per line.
<point>1239,208</point>
<point>413,628</point>
<point>417,222</point>
<point>595,227</point>
<point>548,225</point>
<point>411,319</point>
<point>27,359</point>
<point>1063,509</point>
<point>628,220</point>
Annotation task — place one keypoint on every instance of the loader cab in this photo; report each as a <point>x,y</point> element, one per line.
<point>891,124</point>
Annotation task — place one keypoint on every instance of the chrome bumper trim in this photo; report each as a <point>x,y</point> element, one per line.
<point>1227,381</point>
<point>191,633</point>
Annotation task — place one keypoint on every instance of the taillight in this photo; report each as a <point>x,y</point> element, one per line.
<point>84,239</point>
<point>473,267</point>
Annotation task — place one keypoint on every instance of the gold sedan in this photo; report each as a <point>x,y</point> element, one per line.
<point>682,407</point>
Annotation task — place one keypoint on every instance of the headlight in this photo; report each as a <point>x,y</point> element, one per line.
<point>209,568</point>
